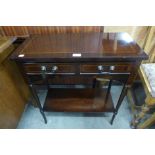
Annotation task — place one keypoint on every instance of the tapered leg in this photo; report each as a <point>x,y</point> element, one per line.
<point>108,91</point>
<point>123,94</point>
<point>38,103</point>
<point>113,117</point>
<point>94,82</point>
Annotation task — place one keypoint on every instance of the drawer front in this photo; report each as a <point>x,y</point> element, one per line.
<point>49,68</point>
<point>101,68</point>
<point>67,73</point>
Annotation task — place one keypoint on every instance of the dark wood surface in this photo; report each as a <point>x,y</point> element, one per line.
<point>22,31</point>
<point>78,100</point>
<point>92,46</point>
<point>108,50</point>
<point>83,68</point>
<point>93,67</point>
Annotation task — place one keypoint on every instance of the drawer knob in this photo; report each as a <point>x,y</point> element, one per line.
<point>112,68</point>
<point>54,69</point>
<point>43,71</point>
<point>43,68</point>
<point>100,68</point>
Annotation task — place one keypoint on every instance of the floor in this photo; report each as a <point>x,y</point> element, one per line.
<point>32,118</point>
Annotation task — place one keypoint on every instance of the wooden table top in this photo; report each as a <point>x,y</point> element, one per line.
<point>94,46</point>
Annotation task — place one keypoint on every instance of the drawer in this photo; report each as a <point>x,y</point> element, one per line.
<point>98,68</point>
<point>49,68</point>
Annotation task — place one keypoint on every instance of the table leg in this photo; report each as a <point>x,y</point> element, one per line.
<point>94,83</point>
<point>108,91</point>
<point>123,94</point>
<point>38,102</point>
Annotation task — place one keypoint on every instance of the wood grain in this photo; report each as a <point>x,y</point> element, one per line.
<point>22,31</point>
<point>78,100</point>
<point>14,93</point>
<point>94,45</point>
<point>138,33</point>
<point>111,48</point>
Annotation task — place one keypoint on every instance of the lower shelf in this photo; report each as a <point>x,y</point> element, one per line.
<point>77,100</point>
